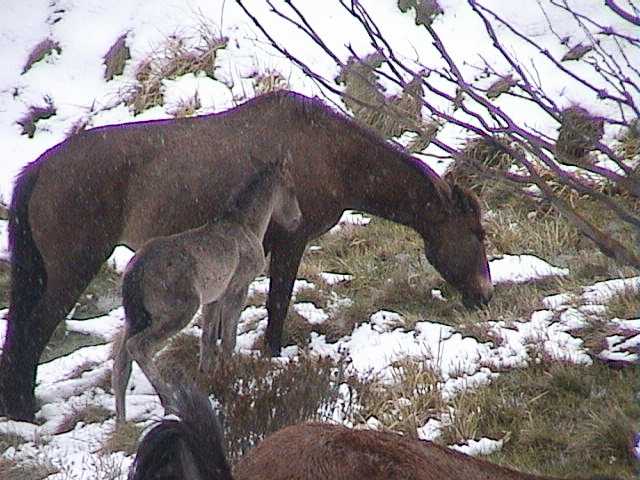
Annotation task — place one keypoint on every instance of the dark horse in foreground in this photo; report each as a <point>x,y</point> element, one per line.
<point>125,184</point>
<point>192,448</point>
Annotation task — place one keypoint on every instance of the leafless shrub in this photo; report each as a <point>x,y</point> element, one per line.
<point>612,77</point>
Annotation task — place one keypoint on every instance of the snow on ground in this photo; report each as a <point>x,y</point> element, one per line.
<point>73,80</point>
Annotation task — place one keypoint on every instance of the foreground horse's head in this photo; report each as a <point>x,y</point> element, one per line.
<point>455,247</point>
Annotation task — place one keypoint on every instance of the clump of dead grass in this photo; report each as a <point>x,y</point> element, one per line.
<point>116,58</point>
<point>11,469</point>
<point>85,414</point>
<point>41,51</point>
<point>579,133</point>
<point>29,120</point>
<point>123,438</point>
<point>178,56</point>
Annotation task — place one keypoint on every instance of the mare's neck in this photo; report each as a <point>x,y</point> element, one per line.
<point>390,184</point>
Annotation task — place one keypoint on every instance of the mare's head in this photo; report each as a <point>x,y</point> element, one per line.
<point>454,245</point>
<point>286,210</point>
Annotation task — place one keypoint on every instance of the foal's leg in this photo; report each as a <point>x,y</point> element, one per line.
<point>211,321</point>
<point>231,309</point>
<point>145,344</point>
<point>120,375</point>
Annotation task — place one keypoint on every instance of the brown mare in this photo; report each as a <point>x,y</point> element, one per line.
<point>169,278</point>
<point>125,184</point>
<point>193,448</point>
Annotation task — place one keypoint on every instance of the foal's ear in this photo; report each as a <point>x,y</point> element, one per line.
<point>464,200</point>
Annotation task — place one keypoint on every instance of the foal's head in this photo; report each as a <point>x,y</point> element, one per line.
<point>455,247</point>
<point>286,210</point>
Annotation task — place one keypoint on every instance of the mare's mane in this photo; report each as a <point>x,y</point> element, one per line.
<point>315,111</point>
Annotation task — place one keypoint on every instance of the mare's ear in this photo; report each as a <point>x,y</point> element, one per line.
<point>464,200</point>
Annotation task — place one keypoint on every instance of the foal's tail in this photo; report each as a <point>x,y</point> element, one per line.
<point>188,448</point>
<point>138,317</point>
<point>28,274</point>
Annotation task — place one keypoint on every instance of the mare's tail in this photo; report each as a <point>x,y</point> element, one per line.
<point>187,448</point>
<point>28,274</point>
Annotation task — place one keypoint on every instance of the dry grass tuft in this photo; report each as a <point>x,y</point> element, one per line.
<point>116,58</point>
<point>579,133</point>
<point>123,438</point>
<point>186,106</point>
<point>42,50</point>
<point>34,115</point>
<point>268,81</point>
<point>11,469</point>
<point>630,140</point>
<point>177,57</point>
<point>85,415</point>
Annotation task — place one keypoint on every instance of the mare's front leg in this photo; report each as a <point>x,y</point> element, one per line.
<point>286,255</point>
<point>211,332</point>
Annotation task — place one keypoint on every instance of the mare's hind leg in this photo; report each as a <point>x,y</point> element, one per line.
<point>28,332</point>
<point>145,344</point>
<point>211,322</point>
<point>232,304</point>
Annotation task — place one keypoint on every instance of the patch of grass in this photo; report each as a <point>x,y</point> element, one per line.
<point>407,403</point>
<point>630,139</point>
<point>8,440</point>
<point>123,438</point>
<point>32,469</point>
<point>560,418</point>
<point>515,229</point>
<point>186,106</point>
<point>297,330</point>
<point>625,304</point>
